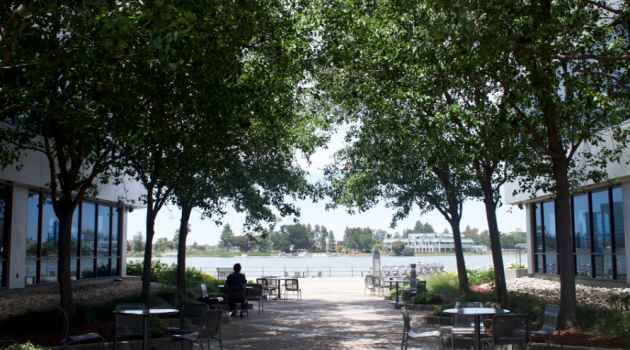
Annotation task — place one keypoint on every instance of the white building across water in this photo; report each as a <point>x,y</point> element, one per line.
<point>432,242</point>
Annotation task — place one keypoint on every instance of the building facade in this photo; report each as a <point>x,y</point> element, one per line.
<point>432,242</point>
<point>29,228</point>
<point>600,227</point>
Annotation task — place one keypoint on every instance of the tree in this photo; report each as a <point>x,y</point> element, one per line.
<point>567,108</point>
<point>138,242</point>
<point>69,88</point>
<point>242,243</point>
<point>398,247</point>
<point>226,238</point>
<point>423,228</point>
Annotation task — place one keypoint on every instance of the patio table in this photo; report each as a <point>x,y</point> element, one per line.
<point>146,344</point>
<point>479,312</point>
<point>397,281</point>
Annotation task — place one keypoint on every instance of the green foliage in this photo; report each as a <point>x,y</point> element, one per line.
<point>516,265</point>
<point>439,310</point>
<point>165,274</point>
<point>481,275</point>
<point>398,247</point>
<point>157,326</point>
<point>620,301</point>
<point>446,285</point>
<point>27,346</point>
<point>426,298</point>
<point>408,251</point>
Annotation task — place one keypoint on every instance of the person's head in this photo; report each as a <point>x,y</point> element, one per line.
<point>237,267</point>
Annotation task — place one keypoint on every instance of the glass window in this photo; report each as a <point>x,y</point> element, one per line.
<point>620,237</point>
<point>87,267</point>
<point>74,232</point>
<point>583,265</point>
<point>102,269</point>
<point>581,225</point>
<point>50,230</point>
<point>4,211</point>
<point>603,266</point>
<point>115,233</point>
<point>104,226</point>
<point>621,267</point>
<point>551,264</point>
<point>538,227</point>
<point>88,229</point>
<point>549,212</point>
<point>32,227</point>
<point>601,222</point>
<point>539,263</point>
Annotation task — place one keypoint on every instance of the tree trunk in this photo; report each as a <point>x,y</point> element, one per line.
<point>454,220</point>
<point>181,249</point>
<point>64,211</point>
<point>148,250</point>
<point>500,285</point>
<point>566,264</point>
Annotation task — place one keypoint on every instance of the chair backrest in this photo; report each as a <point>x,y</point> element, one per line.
<point>369,282</point>
<point>263,282</point>
<point>376,281</point>
<point>204,290</point>
<point>550,323</point>
<point>255,291</point>
<point>235,294</point>
<point>291,284</point>
<point>129,324</point>
<point>210,323</point>
<point>510,329</point>
<point>65,325</point>
<point>405,313</point>
<point>191,315</point>
<point>421,286</point>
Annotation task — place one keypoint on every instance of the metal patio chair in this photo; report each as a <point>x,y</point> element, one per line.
<point>255,293</point>
<point>550,325</point>
<point>369,284</point>
<point>510,329</point>
<point>66,338</point>
<point>190,316</point>
<point>292,285</point>
<point>268,288</point>
<point>408,333</point>
<point>208,328</point>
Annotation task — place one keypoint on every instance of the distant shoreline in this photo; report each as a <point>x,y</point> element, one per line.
<point>216,254</point>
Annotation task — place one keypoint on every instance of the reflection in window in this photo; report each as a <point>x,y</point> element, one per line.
<point>88,226</point>
<point>621,267</point>
<point>620,239</point>
<point>50,230</point>
<point>87,231</point>
<point>549,212</point>
<point>538,227</point>
<point>581,225</point>
<point>601,222</point>
<point>4,203</point>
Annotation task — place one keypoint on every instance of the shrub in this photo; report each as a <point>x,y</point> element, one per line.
<point>165,274</point>
<point>408,251</point>
<point>515,265</point>
<point>481,275</point>
<point>446,284</point>
<point>27,346</point>
<point>426,298</point>
<point>439,310</point>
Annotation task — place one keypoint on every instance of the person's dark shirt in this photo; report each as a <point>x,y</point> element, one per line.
<point>236,279</point>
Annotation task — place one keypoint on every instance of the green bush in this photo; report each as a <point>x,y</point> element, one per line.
<point>26,346</point>
<point>446,285</point>
<point>165,274</point>
<point>426,298</point>
<point>408,251</point>
<point>481,275</point>
<point>439,310</point>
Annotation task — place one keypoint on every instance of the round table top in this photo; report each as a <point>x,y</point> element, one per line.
<point>476,311</point>
<point>147,311</point>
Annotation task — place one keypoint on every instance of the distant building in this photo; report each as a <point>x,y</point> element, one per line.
<point>432,242</point>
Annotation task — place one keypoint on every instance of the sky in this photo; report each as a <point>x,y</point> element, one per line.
<point>509,217</point>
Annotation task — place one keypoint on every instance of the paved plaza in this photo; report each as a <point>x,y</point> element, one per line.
<point>334,314</point>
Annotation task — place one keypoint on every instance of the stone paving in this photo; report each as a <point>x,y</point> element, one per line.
<point>334,314</point>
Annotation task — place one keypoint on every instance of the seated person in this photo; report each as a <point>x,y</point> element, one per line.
<point>235,279</point>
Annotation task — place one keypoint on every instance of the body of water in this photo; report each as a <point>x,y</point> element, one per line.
<point>340,266</point>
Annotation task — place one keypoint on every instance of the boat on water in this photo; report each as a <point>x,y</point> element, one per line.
<point>302,253</point>
<point>320,255</point>
<point>243,255</point>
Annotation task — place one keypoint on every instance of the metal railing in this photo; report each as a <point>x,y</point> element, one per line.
<point>293,271</point>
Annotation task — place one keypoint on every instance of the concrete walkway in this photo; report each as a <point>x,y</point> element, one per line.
<point>334,314</point>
